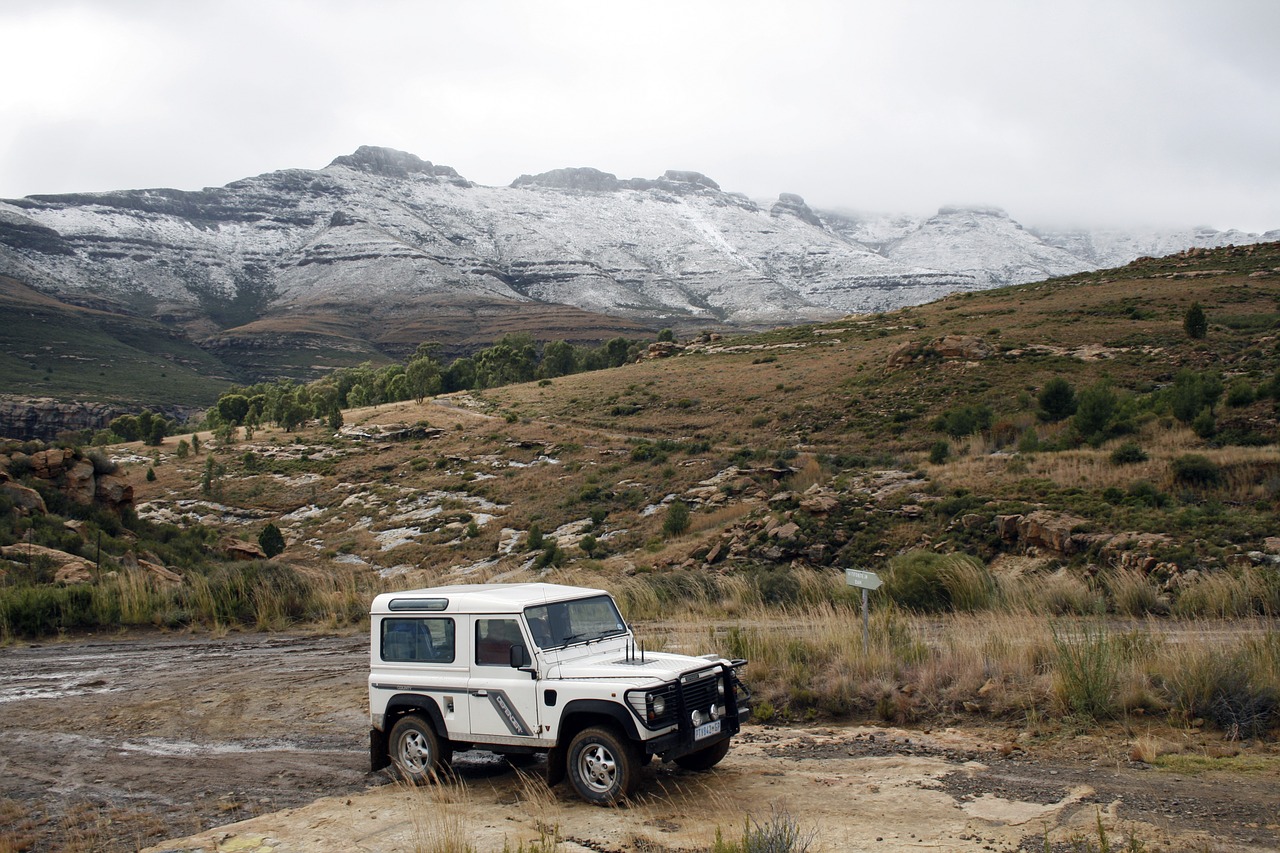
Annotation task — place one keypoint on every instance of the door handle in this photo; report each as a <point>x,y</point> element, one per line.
<point>479,692</point>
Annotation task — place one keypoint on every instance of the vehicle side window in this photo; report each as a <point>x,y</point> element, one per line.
<point>418,640</point>
<point>494,638</point>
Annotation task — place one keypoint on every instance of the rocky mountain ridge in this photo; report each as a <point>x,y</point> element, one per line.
<point>381,226</point>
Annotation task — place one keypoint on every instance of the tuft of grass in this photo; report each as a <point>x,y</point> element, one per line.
<point>779,833</point>
<point>1087,671</point>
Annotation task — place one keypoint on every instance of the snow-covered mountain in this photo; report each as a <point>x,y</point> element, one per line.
<point>382,227</point>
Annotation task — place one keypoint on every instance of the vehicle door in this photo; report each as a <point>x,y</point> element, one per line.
<point>503,699</point>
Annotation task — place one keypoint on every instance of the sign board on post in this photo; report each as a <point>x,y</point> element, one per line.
<point>862,580</point>
<point>865,581</point>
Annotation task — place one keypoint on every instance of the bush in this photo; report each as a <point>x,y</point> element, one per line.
<point>940,451</point>
<point>914,581</point>
<point>271,540</point>
<point>1057,400</point>
<point>1192,469</point>
<point>1205,424</point>
<point>1195,322</point>
<point>677,519</point>
<point>1240,393</point>
<point>1128,453</point>
<point>965,420</point>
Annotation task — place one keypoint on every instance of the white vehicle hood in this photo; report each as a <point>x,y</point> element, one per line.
<point>617,664</point>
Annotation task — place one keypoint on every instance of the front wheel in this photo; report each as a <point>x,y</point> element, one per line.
<point>705,759</point>
<point>603,767</point>
<point>416,750</point>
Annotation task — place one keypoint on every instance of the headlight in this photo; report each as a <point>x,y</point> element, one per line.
<point>657,707</point>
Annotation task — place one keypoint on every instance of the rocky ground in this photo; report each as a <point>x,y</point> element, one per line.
<point>258,742</point>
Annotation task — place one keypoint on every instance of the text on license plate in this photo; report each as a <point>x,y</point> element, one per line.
<point>707,730</point>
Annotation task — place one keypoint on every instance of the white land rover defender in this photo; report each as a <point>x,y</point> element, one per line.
<point>527,668</point>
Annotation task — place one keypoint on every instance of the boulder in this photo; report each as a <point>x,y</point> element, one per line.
<point>1007,526</point>
<point>1053,531</point>
<point>78,481</point>
<point>114,490</point>
<point>25,499</point>
<point>662,349</point>
<point>966,347</point>
<point>786,532</point>
<point>68,568</point>
<point>49,464</point>
<point>240,550</point>
<point>819,504</point>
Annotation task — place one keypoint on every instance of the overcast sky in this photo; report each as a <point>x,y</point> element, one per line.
<point>1073,112</point>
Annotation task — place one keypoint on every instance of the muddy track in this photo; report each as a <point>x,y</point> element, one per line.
<point>261,740</point>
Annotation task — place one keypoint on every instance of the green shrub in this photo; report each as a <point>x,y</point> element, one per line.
<point>777,586</point>
<point>1057,400</point>
<point>1240,393</point>
<point>965,420</point>
<point>915,581</point>
<point>1128,453</point>
<point>677,519</point>
<point>940,451</point>
<point>1193,469</point>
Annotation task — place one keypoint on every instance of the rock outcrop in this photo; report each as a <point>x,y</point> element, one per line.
<point>70,473</point>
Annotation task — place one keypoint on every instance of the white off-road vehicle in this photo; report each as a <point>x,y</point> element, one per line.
<point>521,669</point>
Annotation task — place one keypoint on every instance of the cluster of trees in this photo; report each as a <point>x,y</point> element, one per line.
<point>146,426</point>
<point>513,358</point>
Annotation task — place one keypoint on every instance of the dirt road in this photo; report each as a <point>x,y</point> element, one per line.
<point>259,742</point>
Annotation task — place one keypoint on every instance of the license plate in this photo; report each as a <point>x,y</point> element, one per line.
<point>707,730</point>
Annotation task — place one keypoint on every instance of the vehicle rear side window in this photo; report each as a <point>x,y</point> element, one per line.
<point>418,640</point>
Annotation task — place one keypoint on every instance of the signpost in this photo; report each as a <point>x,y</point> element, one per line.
<point>865,581</point>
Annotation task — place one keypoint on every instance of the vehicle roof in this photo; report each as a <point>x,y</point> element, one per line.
<point>488,597</point>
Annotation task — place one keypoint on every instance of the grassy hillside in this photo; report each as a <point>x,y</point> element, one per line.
<point>50,348</point>
<point>733,482</point>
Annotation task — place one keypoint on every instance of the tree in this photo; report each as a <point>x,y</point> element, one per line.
<point>1094,410</point>
<point>615,352</point>
<point>558,359</point>
<point>666,335</point>
<point>1192,392</point>
<point>159,429</point>
<point>232,408</point>
<point>677,519</point>
<point>535,537</point>
<point>125,426</point>
<point>1057,400</point>
<point>271,540</point>
<point>1195,322</point>
<point>424,378</point>
<point>357,397</point>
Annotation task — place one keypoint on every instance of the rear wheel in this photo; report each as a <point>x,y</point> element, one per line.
<point>603,766</point>
<point>416,751</point>
<point>705,759</point>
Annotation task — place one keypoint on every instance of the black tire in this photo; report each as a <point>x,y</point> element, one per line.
<point>705,759</point>
<point>416,751</point>
<point>603,766</point>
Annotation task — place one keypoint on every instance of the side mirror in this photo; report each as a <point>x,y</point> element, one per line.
<point>520,656</point>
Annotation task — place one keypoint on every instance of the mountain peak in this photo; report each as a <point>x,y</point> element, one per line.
<point>580,178</point>
<point>391,163</point>
<point>976,209</point>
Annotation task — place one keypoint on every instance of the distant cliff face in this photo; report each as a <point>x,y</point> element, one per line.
<point>45,419</point>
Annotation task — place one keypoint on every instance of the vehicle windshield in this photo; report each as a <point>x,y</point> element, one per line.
<point>581,620</point>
